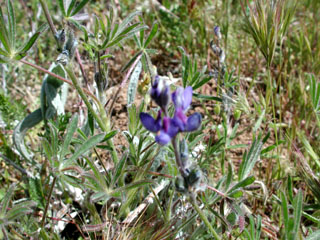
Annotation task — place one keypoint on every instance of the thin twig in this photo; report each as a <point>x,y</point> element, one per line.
<point>48,17</point>
<point>217,191</point>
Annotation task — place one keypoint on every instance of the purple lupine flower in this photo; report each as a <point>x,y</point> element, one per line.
<point>160,93</point>
<point>166,128</point>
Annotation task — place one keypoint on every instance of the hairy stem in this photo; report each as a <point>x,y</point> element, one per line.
<point>203,216</point>
<point>48,202</point>
<point>49,19</point>
<point>178,158</point>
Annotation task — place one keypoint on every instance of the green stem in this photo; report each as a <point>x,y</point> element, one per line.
<point>203,216</point>
<point>103,121</point>
<point>178,159</point>
<point>48,202</point>
<point>49,19</point>
<point>274,114</point>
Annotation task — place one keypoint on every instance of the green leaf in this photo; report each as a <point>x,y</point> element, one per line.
<point>35,191</point>
<point>251,158</point>
<point>285,211</point>
<point>86,146</point>
<point>30,43</point>
<point>128,19</point>
<point>72,127</point>
<point>236,194</point>
<point>202,82</point>
<point>133,185</point>
<point>61,6</point>
<point>106,56</point>
<point>6,199</point>
<point>110,135</point>
<point>12,23</point>
<point>297,204</point>
<point>79,7</point>
<point>4,36</point>
<point>153,32</point>
<point>128,29</point>
<point>70,7</point>
<point>207,97</point>
<point>20,209</point>
<point>133,83</point>
<point>119,168</point>
<point>131,61</point>
<point>4,53</point>
<point>241,184</point>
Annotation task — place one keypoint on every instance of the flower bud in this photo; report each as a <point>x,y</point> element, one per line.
<point>160,93</point>
<point>61,38</point>
<point>237,114</point>
<point>217,109</point>
<point>217,32</point>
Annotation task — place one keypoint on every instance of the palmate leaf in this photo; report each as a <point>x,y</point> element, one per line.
<point>86,146</point>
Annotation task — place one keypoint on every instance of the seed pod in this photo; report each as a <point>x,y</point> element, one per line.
<point>237,114</point>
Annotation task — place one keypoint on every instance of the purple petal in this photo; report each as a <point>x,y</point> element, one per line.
<point>187,98</point>
<point>180,119</point>
<point>193,123</point>
<point>169,127</point>
<point>177,97</point>
<point>182,98</point>
<point>149,122</point>
<point>163,138</point>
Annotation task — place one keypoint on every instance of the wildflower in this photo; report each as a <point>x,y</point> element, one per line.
<point>217,32</point>
<point>165,127</point>
<point>160,93</point>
